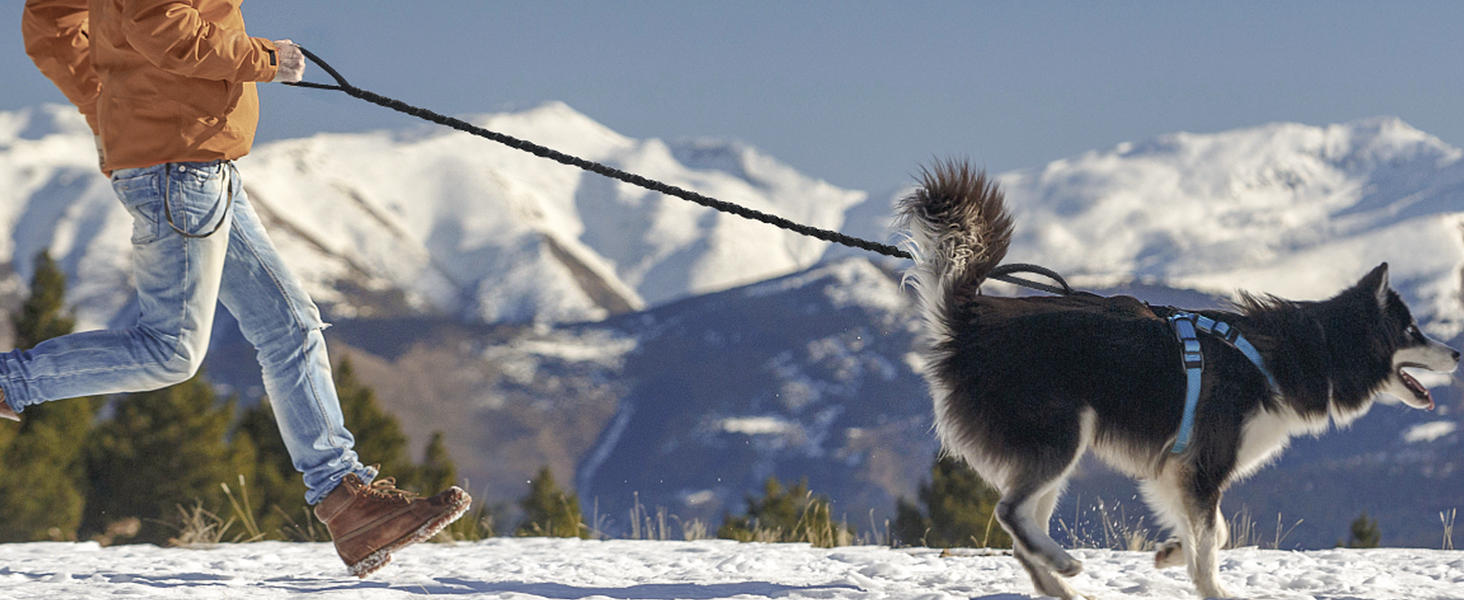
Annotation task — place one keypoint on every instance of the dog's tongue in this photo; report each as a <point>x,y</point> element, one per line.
<point>1417,388</point>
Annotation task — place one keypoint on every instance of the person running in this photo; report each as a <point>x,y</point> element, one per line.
<point>168,89</point>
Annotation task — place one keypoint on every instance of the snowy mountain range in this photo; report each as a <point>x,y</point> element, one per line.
<point>1288,209</point>
<point>429,221</point>
<point>540,315</point>
<point>433,221</point>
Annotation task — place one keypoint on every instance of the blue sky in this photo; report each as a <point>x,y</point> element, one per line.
<point>862,93</point>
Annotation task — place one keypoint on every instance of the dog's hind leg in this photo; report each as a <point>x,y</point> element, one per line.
<point>1024,511</point>
<point>1031,488</point>
<point>1046,582</point>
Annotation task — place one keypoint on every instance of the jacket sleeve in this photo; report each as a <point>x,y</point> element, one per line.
<point>174,37</point>
<point>56,38</point>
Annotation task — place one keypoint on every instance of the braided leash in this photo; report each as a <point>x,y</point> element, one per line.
<point>1002,273</point>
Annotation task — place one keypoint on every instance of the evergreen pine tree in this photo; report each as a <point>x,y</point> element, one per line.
<point>958,510</point>
<point>379,437</point>
<point>42,317</point>
<point>550,511</point>
<point>787,515</point>
<point>1364,532</point>
<point>161,450</point>
<point>8,430</point>
<point>910,526</point>
<point>43,477</point>
<point>276,492</point>
<point>437,471</point>
<point>42,488</point>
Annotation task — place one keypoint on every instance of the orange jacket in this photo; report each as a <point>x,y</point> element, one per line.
<point>159,80</point>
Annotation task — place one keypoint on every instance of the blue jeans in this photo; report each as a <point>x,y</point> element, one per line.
<point>207,247</point>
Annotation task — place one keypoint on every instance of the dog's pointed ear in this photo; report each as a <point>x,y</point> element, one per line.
<point>1376,284</point>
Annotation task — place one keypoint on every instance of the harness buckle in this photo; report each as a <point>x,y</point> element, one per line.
<point>1185,330</point>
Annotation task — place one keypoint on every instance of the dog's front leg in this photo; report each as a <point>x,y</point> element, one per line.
<point>1170,553</point>
<point>1191,508</point>
<point>1166,499</point>
<point>1202,550</point>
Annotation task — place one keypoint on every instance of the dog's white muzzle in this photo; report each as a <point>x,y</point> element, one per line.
<point>1433,356</point>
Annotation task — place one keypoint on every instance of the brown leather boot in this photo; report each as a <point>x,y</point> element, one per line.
<point>369,522</point>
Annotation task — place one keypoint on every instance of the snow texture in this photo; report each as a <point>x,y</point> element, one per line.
<point>528,568</point>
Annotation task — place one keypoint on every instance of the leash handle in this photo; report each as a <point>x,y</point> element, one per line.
<point>341,83</point>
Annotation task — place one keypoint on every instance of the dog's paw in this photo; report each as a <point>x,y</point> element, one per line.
<point>1169,554</point>
<point>1217,591</point>
<point>1067,566</point>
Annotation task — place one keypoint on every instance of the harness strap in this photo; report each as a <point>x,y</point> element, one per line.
<point>1231,335</point>
<point>1194,368</point>
<point>1187,327</point>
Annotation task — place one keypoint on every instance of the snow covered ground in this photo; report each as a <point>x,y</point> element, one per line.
<point>524,568</point>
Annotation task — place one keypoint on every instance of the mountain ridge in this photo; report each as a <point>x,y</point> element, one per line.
<point>541,315</point>
<point>453,224</point>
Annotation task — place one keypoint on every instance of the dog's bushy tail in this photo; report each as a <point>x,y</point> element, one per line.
<point>959,231</point>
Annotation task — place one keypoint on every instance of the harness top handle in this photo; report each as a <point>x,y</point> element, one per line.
<point>1004,273</point>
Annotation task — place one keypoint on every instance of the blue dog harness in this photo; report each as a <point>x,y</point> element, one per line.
<point>1187,327</point>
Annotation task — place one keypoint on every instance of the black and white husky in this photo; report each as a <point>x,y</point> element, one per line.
<point>1024,386</point>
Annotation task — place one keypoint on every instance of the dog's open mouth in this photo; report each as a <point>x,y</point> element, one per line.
<point>1419,391</point>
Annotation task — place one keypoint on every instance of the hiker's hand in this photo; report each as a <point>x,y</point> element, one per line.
<point>292,62</point>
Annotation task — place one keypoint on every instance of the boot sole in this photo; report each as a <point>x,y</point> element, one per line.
<point>380,558</point>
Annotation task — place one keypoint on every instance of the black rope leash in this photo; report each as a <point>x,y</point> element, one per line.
<point>1002,273</point>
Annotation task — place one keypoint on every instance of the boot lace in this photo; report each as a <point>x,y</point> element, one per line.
<point>385,488</point>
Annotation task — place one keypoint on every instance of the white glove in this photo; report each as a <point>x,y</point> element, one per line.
<point>101,154</point>
<point>292,62</point>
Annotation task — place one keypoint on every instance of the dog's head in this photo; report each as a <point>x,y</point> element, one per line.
<point>1402,343</point>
